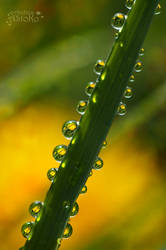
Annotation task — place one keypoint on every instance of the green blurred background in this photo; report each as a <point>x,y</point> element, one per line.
<point>47,53</point>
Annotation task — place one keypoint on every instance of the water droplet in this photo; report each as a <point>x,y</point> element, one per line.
<point>121,45</point>
<point>99,66</point>
<point>129,4</point>
<point>59,152</point>
<point>69,129</point>
<point>66,204</point>
<point>75,209</point>
<point>141,52</point>
<point>116,35</point>
<point>158,9</point>
<point>104,144</point>
<point>118,21</point>
<point>98,163</point>
<point>83,190</point>
<point>68,231</point>
<point>132,78</point>
<point>138,66</point>
<point>128,92</point>
<point>27,229</point>
<point>51,174</point>
<point>122,110</point>
<point>90,173</point>
<point>81,107</point>
<point>89,88</point>
<point>35,208</point>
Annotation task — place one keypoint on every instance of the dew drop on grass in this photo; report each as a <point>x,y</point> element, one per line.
<point>89,88</point>
<point>51,174</point>
<point>99,66</point>
<point>98,163</point>
<point>104,144</point>
<point>75,209</point>
<point>59,152</point>
<point>141,52</point>
<point>122,110</point>
<point>128,93</point>
<point>81,107</point>
<point>118,21</point>
<point>68,231</point>
<point>69,129</point>
<point>35,208</point>
<point>83,190</point>
<point>129,4</point>
<point>116,35</point>
<point>158,9</point>
<point>138,66</point>
<point>66,204</point>
<point>26,229</point>
<point>132,78</point>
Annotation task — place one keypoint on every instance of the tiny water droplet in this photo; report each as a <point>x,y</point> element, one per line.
<point>121,45</point>
<point>138,66</point>
<point>75,209</point>
<point>158,9</point>
<point>118,21</point>
<point>59,152</point>
<point>116,35</point>
<point>81,107</point>
<point>90,173</point>
<point>68,231</point>
<point>104,144</point>
<point>69,129</point>
<point>141,52</point>
<point>99,66</point>
<point>89,88</point>
<point>66,204</point>
<point>83,190</point>
<point>98,163</point>
<point>51,174</point>
<point>122,110</point>
<point>26,229</point>
<point>132,78</point>
<point>35,208</point>
<point>129,4</point>
<point>128,92</point>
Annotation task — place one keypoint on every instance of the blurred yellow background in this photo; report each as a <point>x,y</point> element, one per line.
<point>45,66</point>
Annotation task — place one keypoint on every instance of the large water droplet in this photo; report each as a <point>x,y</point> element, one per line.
<point>128,92</point>
<point>81,107</point>
<point>75,209</point>
<point>83,190</point>
<point>132,78</point>
<point>118,21</point>
<point>59,152</point>
<point>158,9</point>
<point>138,66</point>
<point>99,66</point>
<point>122,110</point>
<point>27,229</point>
<point>129,4</point>
<point>141,52</point>
<point>69,129</point>
<point>98,163</point>
<point>89,88</point>
<point>35,208</point>
<point>51,174</point>
<point>68,231</point>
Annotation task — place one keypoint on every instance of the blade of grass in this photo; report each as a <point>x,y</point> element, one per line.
<point>94,126</point>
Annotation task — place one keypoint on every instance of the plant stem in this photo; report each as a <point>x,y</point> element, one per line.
<point>94,126</point>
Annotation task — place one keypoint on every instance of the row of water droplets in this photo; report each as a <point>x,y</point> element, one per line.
<point>69,128</point>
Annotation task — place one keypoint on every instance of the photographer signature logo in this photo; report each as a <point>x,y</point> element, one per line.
<point>24,16</point>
